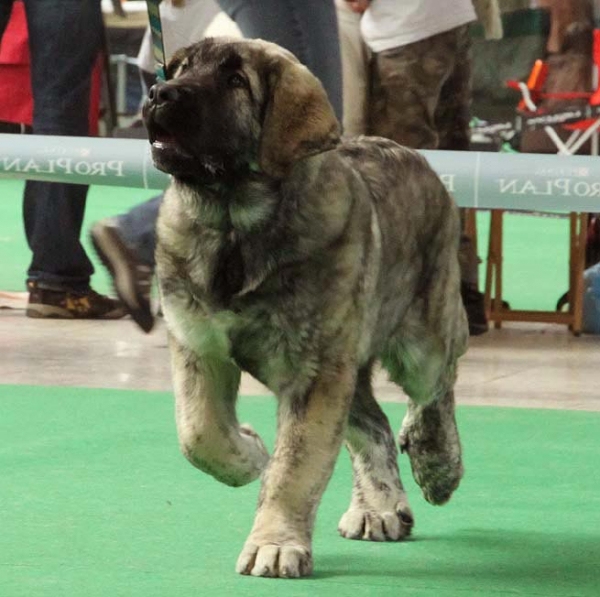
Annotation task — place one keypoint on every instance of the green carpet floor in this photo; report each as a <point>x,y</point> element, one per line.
<point>536,249</point>
<point>96,501</point>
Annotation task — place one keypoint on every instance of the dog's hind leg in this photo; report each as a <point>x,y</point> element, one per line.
<point>430,438</point>
<point>379,509</point>
<point>426,368</point>
<point>310,432</point>
<point>209,434</point>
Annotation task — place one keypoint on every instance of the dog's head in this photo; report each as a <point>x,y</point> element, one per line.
<point>230,106</point>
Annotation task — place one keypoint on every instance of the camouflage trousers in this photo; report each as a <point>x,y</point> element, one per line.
<point>420,93</point>
<point>420,96</point>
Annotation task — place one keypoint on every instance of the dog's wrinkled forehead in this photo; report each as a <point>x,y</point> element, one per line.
<point>222,53</point>
<point>203,56</point>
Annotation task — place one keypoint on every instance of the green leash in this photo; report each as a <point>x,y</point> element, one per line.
<point>158,46</point>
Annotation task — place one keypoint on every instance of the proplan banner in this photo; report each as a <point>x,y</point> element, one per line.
<point>529,182</point>
<point>519,181</point>
<point>80,160</point>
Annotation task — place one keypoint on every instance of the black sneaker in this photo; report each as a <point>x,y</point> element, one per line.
<point>132,280</point>
<point>473,301</point>
<point>68,304</point>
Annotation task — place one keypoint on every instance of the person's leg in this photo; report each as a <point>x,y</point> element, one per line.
<point>125,245</point>
<point>452,114</point>
<point>308,29</point>
<point>452,122</point>
<point>354,55</point>
<point>138,228</point>
<point>64,40</point>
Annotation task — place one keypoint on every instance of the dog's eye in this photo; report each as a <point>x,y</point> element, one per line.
<point>236,80</point>
<point>180,68</point>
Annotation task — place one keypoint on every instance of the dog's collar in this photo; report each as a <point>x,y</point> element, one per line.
<point>254,167</point>
<point>216,187</point>
<point>222,187</point>
<point>219,187</point>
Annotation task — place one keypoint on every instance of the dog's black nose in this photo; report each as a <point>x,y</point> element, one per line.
<point>163,93</point>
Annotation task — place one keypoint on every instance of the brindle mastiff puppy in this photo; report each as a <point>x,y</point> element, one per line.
<point>303,260</point>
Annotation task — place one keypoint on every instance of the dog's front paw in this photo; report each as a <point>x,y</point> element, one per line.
<point>368,525</point>
<point>435,459</point>
<point>275,561</point>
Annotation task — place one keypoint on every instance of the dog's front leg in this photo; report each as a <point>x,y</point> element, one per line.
<point>310,432</point>
<point>209,433</point>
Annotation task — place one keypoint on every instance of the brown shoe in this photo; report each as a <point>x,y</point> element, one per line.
<point>68,304</point>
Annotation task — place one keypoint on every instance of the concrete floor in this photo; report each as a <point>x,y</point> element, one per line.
<point>522,365</point>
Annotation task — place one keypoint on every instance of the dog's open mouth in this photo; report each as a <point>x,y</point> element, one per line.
<point>178,152</point>
<point>168,152</point>
<point>163,140</point>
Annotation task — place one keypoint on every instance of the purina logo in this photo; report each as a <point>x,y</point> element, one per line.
<point>63,165</point>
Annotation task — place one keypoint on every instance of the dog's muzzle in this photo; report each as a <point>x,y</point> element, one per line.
<point>164,118</point>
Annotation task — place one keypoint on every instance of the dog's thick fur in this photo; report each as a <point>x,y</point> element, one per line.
<point>302,260</point>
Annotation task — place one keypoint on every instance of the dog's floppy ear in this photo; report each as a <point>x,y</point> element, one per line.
<point>299,120</point>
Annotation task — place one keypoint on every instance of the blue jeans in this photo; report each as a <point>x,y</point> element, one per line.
<point>308,29</point>
<point>64,39</point>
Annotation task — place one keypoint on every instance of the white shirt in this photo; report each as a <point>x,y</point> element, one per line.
<point>390,24</point>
